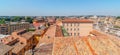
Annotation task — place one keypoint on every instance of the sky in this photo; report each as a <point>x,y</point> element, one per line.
<point>59,7</point>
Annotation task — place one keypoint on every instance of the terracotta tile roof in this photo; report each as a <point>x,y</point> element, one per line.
<point>35,24</point>
<point>77,21</point>
<point>4,49</point>
<point>38,32</point>
<point>8,40</point>
<point>48,37</point>
<point>96,33</point>
<point>102,35</point>
<point>45,45</point>
<point>18,47</point>
<point>70,46</point>
<point>58,31</point>
<point>104,46</point>
<point>61,45</point>
<point>45,49</point>
<point>51,20</point>
<point>19,31</point>
<point>27,35</point>
<point>89,45</point>
<point>41,31</point>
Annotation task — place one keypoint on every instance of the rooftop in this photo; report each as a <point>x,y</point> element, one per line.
<point>96,33</point>
<point>58,32</point>
<point>45,49</point>
<point>21,31</point>
<point>4,49</point>
<point>85,46</point>
<point>27,35</point>
<point>18,47</point>
<point>45,44</point>
<point>77,21</point>
<point>38,32</point>
<point>48,37</point>
<point>12,23</point>
<point>8,40</point>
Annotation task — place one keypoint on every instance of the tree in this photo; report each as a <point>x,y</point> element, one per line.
<point>29,19</point>
<point>7,19</point>
<point>2,21</point>
<point>16,18</point>
<point>118,17</point>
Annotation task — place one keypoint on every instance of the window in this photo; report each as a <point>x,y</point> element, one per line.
<point>78,24</point>
<point>74,24</point>
<point>74,34</point>
<point>74,29</point>
<point>71,24</point>
<point>67,24</point>
<point>67,29</point>
<point>78,34</point>
<point>71,29</point>
<point>71,34</point>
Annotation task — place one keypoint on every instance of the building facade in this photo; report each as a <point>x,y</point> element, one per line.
<point>117,22</point>
<point>9,28</point>
<point>77,27</point>
<point>3,29</point>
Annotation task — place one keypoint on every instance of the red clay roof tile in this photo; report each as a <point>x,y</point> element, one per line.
<point>77,21</point>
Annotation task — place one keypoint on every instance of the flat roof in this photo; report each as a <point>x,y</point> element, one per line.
<point>4,49</point>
